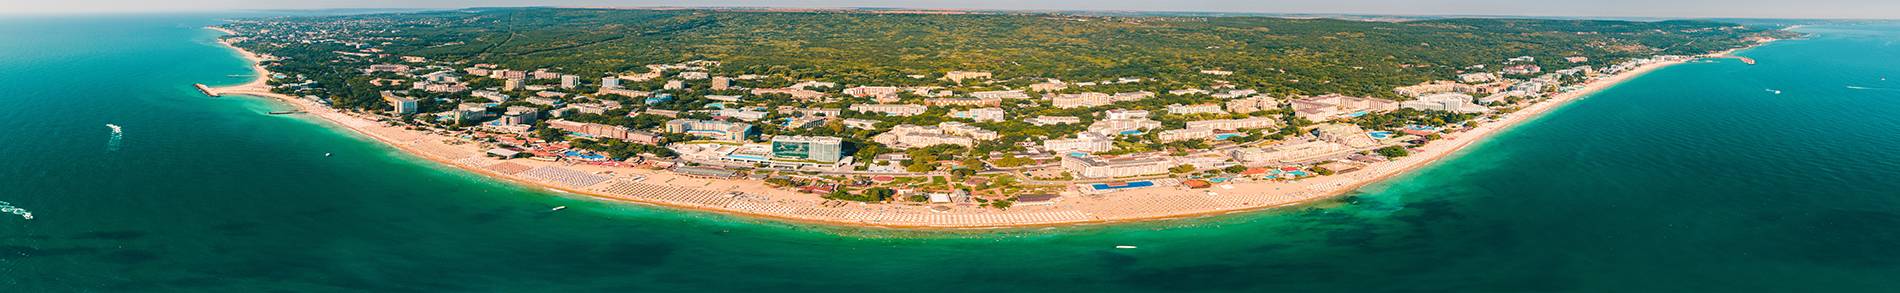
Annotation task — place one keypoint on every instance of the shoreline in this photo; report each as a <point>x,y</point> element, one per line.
<point>676,191</point>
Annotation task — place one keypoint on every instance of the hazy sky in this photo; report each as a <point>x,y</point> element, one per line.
<point>1885,9</point>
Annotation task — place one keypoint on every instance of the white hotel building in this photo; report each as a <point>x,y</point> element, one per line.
<point>1096,167</point>
<point>1087,142</point>
<point>891,109</point>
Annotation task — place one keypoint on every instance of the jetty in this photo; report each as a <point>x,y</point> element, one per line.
<point>1746,60</point>
<point>205,89</point>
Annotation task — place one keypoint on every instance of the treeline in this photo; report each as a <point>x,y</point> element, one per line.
<point>1305,56</point>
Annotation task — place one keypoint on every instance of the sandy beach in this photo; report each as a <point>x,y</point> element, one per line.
<point>753,198</point>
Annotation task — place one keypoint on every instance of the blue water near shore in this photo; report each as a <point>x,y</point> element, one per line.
<point>1693,178</point>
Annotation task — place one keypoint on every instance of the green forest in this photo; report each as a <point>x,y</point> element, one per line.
<point>1276,55</point>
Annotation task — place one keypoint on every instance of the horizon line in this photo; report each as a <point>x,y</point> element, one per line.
<point>1329,15</point>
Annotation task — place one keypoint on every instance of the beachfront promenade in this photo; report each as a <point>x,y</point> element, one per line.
<point>705,194</point>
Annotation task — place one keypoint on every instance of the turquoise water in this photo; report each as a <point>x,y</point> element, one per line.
<point>1693,178</point>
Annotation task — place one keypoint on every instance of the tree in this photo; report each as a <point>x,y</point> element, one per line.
<point>548,133</point>
<point>1235,169</point>
<point>1394,151</point>
<point>1011,161</point>
<point>780,182</point>
<point>917,167</point>
<point>1322,171</point>
<point>879,193</point>
<point>1181,169</point>
<point>840,194</point>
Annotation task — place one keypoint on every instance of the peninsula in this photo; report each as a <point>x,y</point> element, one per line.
<point>977,120</point>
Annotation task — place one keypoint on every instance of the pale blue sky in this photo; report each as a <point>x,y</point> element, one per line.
<point>1885,9</point>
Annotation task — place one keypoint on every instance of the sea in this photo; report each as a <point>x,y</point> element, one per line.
<point>1711,176</point>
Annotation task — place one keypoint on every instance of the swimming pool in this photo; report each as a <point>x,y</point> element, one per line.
<point>1131,184</point>
<point>584,156</point>
<point>747,157</point>
<point>706,132</point>
<point>1295,173</point>
<point>1380,134</point>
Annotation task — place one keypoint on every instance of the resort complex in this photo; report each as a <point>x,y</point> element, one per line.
<point>977,145</point>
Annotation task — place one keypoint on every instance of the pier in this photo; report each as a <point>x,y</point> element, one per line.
<point>205,89</point>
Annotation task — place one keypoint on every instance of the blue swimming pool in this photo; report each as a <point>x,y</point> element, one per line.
<point>1277,173</point>
<point>1226,135</point>
<point>1131,184</point>
<point>582,155</point>
<point>1380,134</point>
<point>747,157</point>
<point>706,132</point>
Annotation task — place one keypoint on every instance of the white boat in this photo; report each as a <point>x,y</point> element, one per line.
<point>326,154</point>
<point>1124,247</point>
<point>28,216</point>
<point>113,143</point>
<point>558,208</point>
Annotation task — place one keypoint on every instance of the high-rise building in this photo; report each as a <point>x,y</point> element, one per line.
<point>468,112</point>
<point>511,84</point>
<point>403,105</point>
<point>517,115</point>
<point>569,81</point>
<point>816,148</point>
<point>719,130</point>
<point>610,82</point>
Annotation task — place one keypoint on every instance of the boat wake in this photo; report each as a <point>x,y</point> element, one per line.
<point>1855,87</point>
<point>117,134</point>
<point>6,207</point>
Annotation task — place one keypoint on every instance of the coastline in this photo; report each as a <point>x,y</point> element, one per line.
<point>676,191</point>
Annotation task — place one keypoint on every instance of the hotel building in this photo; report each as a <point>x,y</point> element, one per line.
<point>891,109</point>
<point>816,148</point>
<point>718,130</point>
<point>1088,142</point>
<point>1097,167</point>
